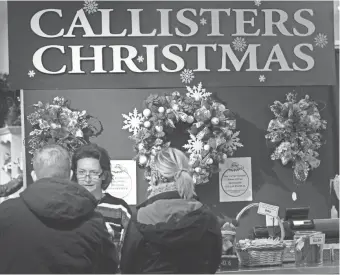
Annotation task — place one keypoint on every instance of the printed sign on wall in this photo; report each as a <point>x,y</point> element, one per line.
<point>124,181</point>
<point>105,44</point>
<point>235,180</point>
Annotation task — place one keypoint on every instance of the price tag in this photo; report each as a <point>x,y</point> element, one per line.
<point>268,209</point>
<point>317,239</point>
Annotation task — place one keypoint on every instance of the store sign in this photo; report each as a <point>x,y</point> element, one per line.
<point>105,44</point>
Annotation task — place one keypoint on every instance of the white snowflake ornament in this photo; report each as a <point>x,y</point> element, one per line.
<point>140,59</point>
<point>239,44</point>
<point>31,73</point>
<point>198,93</point>
<point>262,78</point>
<point>234,142</point>
<point>321,40</point>
<point>90,6</point>
<point>194,146</point>
<point>203,21</point>
<point>257,2</point>
<point>187,76</point>
<point>133,121</point>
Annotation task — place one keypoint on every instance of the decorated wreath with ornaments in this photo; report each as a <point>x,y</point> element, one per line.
<point>57,123</point>
<point>296,133</point>
<point>211,127</point>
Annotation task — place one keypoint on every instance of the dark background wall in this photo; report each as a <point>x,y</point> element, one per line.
<point>272,183</point>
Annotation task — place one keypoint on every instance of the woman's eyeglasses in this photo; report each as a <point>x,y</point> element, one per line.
<point>93,175</point>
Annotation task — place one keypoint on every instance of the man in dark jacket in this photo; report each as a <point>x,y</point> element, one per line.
<point>172,235</point>
<point>53,227</point>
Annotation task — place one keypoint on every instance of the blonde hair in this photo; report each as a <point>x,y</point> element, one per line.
<point>173,164</point>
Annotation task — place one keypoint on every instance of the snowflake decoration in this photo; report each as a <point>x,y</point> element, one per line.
<point>239,44</point>
<point>321,40</point>
<point>90,6</point>
<point>203,21</point>
<point>133,121</point>
<point>257,2</point>
<point>194,146</point>
<point>187,76</point>
<point>31,73</point>
<point>234,141</point>
<point>140,59</point>
<point>262,78</point>
<point>198,92</point>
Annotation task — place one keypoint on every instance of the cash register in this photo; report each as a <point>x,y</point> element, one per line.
<point>296,219</point>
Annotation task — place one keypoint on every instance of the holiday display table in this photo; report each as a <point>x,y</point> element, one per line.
<point>289,268</point>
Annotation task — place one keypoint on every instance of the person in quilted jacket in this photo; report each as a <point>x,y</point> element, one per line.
<point>173,232</point>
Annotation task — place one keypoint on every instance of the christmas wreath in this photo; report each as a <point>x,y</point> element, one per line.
<point>57,123</point>
<point>296,133</point>
<point>211,127</point>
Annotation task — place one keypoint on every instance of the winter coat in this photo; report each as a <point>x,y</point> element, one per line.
<point>172,235</point>
<point>53,228</point>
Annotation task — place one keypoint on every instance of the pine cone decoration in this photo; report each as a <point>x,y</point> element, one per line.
<point>152,100</point>
<point>156,101</point>
<point>188,108</point>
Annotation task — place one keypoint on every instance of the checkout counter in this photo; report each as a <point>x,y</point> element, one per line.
<point>296,220</point>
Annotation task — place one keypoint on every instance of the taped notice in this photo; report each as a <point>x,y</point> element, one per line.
<point>268,209</point>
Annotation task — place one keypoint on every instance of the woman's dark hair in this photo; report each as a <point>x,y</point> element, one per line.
<point>94,151</point>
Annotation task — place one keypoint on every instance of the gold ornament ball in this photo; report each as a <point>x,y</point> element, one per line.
<point>146,112</point>
<point>140,146</point>
<point>143,159</point>
<point>168,111</point>
<point>190,119</point>
<point>175,93</point>
<point>159,128</point>
<point>198,169</point>
<point>221,108</point>
<point>54,126</point>
<point>153,152</point>
<point>206,147</point>
<point>161,109</point>
<point>215,121</point>
<point>175,107</point>
<point>147,124</point>
<point>210,161</point>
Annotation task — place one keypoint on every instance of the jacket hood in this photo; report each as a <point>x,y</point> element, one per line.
<point>58,200</point>
<point>185,222</point>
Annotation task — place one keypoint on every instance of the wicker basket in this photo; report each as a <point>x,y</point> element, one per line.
<point>265,255</point>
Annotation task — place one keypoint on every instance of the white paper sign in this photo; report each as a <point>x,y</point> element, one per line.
<point>124,184</point>
<point>271,221</point>
<point>317,239</point>
<point>235,180</point>
<point>268,209</point>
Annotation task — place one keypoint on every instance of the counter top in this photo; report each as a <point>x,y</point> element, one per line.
<point>289,268</point>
